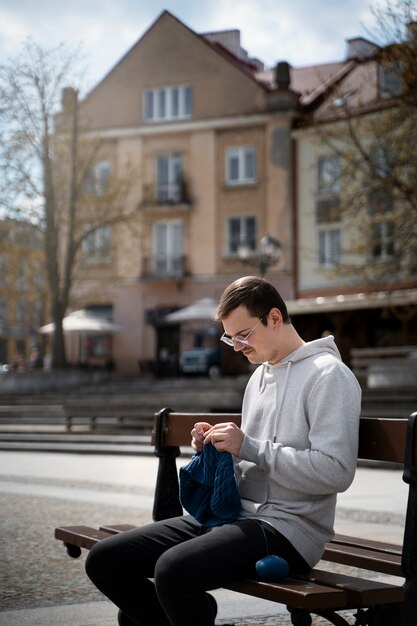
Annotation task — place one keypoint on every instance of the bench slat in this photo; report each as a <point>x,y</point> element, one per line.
<point>382,439</point>
<point>178,426</point>
<point>81,536</point>
<point>115,529</point>
<point>300,594</point>
<point>389,548</point>
<point>364,558</point>
<point>360,592</point>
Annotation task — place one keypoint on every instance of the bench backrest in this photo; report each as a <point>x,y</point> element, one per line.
<point>380,439</point>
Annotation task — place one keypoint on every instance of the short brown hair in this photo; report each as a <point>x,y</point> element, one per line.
<point>256,294</point>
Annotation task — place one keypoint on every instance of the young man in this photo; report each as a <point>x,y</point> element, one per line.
<point>295,450</point>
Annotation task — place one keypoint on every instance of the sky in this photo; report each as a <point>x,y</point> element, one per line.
<point>302,32</point>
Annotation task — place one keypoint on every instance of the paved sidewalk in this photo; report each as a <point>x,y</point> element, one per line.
<point>41,586</point>
<point>103,613</point>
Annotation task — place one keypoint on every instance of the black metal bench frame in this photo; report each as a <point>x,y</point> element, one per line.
<point>321,592</point>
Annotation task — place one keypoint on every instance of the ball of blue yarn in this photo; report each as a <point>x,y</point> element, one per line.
<point>272,568</point>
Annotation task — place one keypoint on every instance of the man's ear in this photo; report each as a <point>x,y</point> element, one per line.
<point>276,316</point>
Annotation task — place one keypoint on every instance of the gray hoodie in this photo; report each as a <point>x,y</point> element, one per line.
<point>300,418</point>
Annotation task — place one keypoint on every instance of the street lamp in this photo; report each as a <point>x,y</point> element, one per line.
<point>268,253</point>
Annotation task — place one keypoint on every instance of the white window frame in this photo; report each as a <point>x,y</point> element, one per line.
<point>98,178</point>
<point>329,247</point>
<point>386,241</point>
<point>167,248</point>
<point>97,246</point>
<point>168,103</point>
<point>328,174</point>
<point>169,190</point>
<point>238,156</point>
<point>244,234</point>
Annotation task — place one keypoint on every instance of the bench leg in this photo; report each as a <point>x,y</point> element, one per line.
<point>302,617</point>
<point>383,615</point>
<point>73,551</point>
<point>299,617</point>
<point>167,502</point>
<point>410,607</point>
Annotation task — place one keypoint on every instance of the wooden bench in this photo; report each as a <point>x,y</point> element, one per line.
<point>322,592</point>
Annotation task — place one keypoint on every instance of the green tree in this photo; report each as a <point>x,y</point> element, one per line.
<point>47,167</point>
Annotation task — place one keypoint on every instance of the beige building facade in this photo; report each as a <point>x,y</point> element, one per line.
<point>209,148</point>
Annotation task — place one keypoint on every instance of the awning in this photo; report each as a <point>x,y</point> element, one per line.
<point>82,321</point>
<point>203,309</point>
<point>346,302</point>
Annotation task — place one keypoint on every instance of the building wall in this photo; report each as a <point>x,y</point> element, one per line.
<point>229,110</point>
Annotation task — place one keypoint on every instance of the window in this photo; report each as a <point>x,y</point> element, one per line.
<point>380,195</point>
<point>38,273</point>
<point>329,249</point>
<point>380,201</point>
<point>4,261</point>
<point>168,248</point>
<point>168,103</point>
<point>240,230</point>
<point>36,313</point>
<point>382,161</point>
<point>240,165</point>
<point>169,178</point>
<point>99,346</point>
<point>390,82</point>
<point>98,178</point>
<point>328,175</point>
<point>382,246</point>
<point>328,210</point>
<point>22,275</point>
<point>3,311</point>
<point>20,312</point>
<point>97,245</point>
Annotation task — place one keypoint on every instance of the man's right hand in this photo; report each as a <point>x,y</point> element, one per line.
<point>198,434</point>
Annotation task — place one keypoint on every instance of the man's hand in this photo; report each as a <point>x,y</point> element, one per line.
<point>225,437</point>
<point>198,434</point>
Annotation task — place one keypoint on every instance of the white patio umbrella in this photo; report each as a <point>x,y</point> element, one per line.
<point>82,321</point>
<point>203,309</point>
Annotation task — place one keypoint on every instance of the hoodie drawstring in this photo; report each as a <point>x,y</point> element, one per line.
<point>281,401</point>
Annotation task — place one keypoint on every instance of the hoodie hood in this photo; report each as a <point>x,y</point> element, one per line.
<point>308,349</point>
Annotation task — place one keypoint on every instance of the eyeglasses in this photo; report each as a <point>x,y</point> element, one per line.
<point>240,339</point>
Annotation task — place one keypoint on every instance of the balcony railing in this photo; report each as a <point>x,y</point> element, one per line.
<point>163,194</point>
<point>164,266</point>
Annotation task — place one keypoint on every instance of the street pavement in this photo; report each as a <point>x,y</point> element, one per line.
<point>42,586</point>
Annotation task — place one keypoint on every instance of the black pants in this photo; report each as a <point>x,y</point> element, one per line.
<point>185,561</point>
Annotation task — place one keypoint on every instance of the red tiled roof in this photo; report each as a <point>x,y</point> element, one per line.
<point>358,92</point>
<point>311,81</point>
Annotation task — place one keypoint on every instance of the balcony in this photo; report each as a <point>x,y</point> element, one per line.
<point>164,266</point>
<point>163,195</point>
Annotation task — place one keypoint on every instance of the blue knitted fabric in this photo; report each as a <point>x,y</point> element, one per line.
<point>208,489</point>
